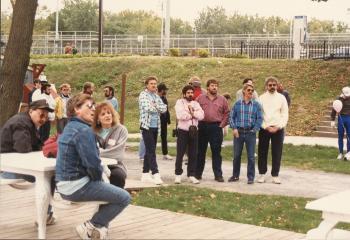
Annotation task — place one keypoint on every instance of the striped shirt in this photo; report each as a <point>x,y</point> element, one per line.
<point>246,115</point>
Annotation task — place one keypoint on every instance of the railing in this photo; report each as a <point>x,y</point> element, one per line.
<point>326,50</point>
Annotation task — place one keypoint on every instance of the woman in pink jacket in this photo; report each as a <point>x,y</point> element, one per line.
<point>188,112</point>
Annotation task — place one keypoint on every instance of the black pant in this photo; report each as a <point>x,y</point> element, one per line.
<point>44,131</point>
<point>183,143</point>
<point>61,123</point>
<point>117,177</point>
<point>163,135</point>
<point>276,150</point>
<point>150,139</point>
<point>209,133</point>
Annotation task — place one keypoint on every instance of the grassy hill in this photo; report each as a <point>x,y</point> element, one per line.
<point>311,84</point>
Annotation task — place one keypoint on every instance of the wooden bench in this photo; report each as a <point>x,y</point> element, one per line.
<point>335,208</point>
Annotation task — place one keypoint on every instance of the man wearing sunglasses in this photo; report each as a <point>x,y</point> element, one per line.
<point>275,117</point>
<point>245,120</point>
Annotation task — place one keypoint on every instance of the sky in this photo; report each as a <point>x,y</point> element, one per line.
<point>336,10</point>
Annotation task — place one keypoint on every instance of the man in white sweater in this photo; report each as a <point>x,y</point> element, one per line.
<point>275,117</point>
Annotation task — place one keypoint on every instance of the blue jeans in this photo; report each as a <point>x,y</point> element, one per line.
<point>249,138</point>
<point>117,199</point>
<point>343,120</point>
<point>142,148</point>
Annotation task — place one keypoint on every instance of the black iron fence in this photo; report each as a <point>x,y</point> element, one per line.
<point>272,50</point>
<point>326,50</point>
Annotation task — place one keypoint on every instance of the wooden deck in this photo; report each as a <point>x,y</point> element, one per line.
<point>18,216</point>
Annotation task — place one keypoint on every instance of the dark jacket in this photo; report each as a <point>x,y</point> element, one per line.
<point>78,154</point>
<point>165,117</point>
<point>20,135</point>
<point>346,107</point>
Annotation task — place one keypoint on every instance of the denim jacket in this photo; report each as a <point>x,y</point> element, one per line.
<point>78,154</point>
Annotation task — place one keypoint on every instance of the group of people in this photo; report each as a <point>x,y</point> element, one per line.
<point>92,132</point>
<point>201,116</point>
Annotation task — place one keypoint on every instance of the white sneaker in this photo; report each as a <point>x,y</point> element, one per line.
<point>88,231</point>
<point>193,180</point>
<point>167,157</point>
<point>156,179</point>
<point>340,156</point>
<point>146,178</point>
<point>347,156</point>
<point>276,180</point>
<point>261,178</point>
<point>177,179</point>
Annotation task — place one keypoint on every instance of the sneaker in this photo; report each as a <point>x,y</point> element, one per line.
<point>146,178</point>
<point>340,156</point>
<point>177,179</point>
<point>50,220</point>
<point>156,179</point>
<point>219,179</point>
<point>193,180</point>
<point>261,178</point>
<point>347,156</point>
<point>250,181</point>
<point>88,231</point>
<point>233,179</point>
<point>276,180</point>
<point>167,157</point>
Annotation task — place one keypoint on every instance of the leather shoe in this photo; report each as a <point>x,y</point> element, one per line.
<point>219,179</point>
<point>233,179</point>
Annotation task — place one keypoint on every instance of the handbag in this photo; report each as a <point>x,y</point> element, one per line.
<point>193,131</point>
<point>175,132</point>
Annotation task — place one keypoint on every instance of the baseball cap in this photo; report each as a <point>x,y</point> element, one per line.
<point>346,91</point>
<point>40,104</point>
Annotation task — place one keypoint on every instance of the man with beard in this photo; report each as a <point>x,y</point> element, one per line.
<point>275,117</point>
<point>109,94</point>
<point>216,112</point>
<point>188,112</point>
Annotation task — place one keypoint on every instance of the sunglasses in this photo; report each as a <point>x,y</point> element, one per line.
<point>272,85</point>
<point>91,106</point>
<point>43,116</point>
<point>250,90</point>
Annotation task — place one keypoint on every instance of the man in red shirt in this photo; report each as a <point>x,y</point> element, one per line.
<point>216,113</point>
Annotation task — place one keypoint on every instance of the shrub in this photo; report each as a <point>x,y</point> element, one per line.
<point>174,52</point>
<point>203,53</point>
<point>236,55</point>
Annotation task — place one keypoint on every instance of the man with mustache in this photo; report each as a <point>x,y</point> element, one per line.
<point>275,117</point>
<point>216,112</point>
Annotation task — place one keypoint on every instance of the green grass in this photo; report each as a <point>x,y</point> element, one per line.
<point>301,157</point>
<point>312,84</point>
<point>279,212</point>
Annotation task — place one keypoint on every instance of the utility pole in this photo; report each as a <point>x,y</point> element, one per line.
<point>56,32</point>
<point>162,30</point>
<point>167,25</point>
<point>100,26</point>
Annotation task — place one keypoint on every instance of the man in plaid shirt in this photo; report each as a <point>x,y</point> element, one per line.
<point>245,120</point>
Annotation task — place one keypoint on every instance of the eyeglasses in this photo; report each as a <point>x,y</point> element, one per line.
<point>43,116</point>
<point>272,85</point>
<point>250,90</point>
<point>91,106</point>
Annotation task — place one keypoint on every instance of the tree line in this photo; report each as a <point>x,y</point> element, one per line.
<point>82,15</point>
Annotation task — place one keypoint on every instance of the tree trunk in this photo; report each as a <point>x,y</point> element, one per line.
<point>16,58</point>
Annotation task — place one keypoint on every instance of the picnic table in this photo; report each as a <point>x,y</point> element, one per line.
<point>335,208</point>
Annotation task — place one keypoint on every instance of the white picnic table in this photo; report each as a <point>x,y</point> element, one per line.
<point>335,208</point>
<point>42,168</point>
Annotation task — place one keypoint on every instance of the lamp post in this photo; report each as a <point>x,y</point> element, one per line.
<point>100,26</point>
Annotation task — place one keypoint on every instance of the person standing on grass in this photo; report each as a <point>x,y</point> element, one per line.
<point>284,92</point>
<point>275,117</point>
<point>109,94</point>
<point>79,170</point>
<point>195,82</point>
<point>164,121</point>
<point>111,137</point>
<point>150,106</point>
<point>239,93</point>
<point>88,88</point>
<point>343,123</point>
<point>245,120</point>
<point>188,112</point>
<point>61,107</point>
<point>216,113</point>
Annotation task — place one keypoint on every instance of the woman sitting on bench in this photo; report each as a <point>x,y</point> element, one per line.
<point>79,170</point>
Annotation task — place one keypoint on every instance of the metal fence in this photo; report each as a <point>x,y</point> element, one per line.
<point>252,45</point>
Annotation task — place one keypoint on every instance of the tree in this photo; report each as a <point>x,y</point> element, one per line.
<point>212,21</point>
<point>16,57</point>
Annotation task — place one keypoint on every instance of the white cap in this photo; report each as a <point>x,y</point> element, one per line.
<point>42,78</point>
<point>346,91</point>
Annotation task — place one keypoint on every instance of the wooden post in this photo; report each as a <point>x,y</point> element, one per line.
<point>122,101</point>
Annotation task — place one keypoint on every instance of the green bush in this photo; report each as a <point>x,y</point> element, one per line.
<point>174,52</point>
<point>203,53</point>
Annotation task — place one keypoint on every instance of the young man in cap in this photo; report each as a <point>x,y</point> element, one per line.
<point>164,121</point>
<point>20,134</point>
